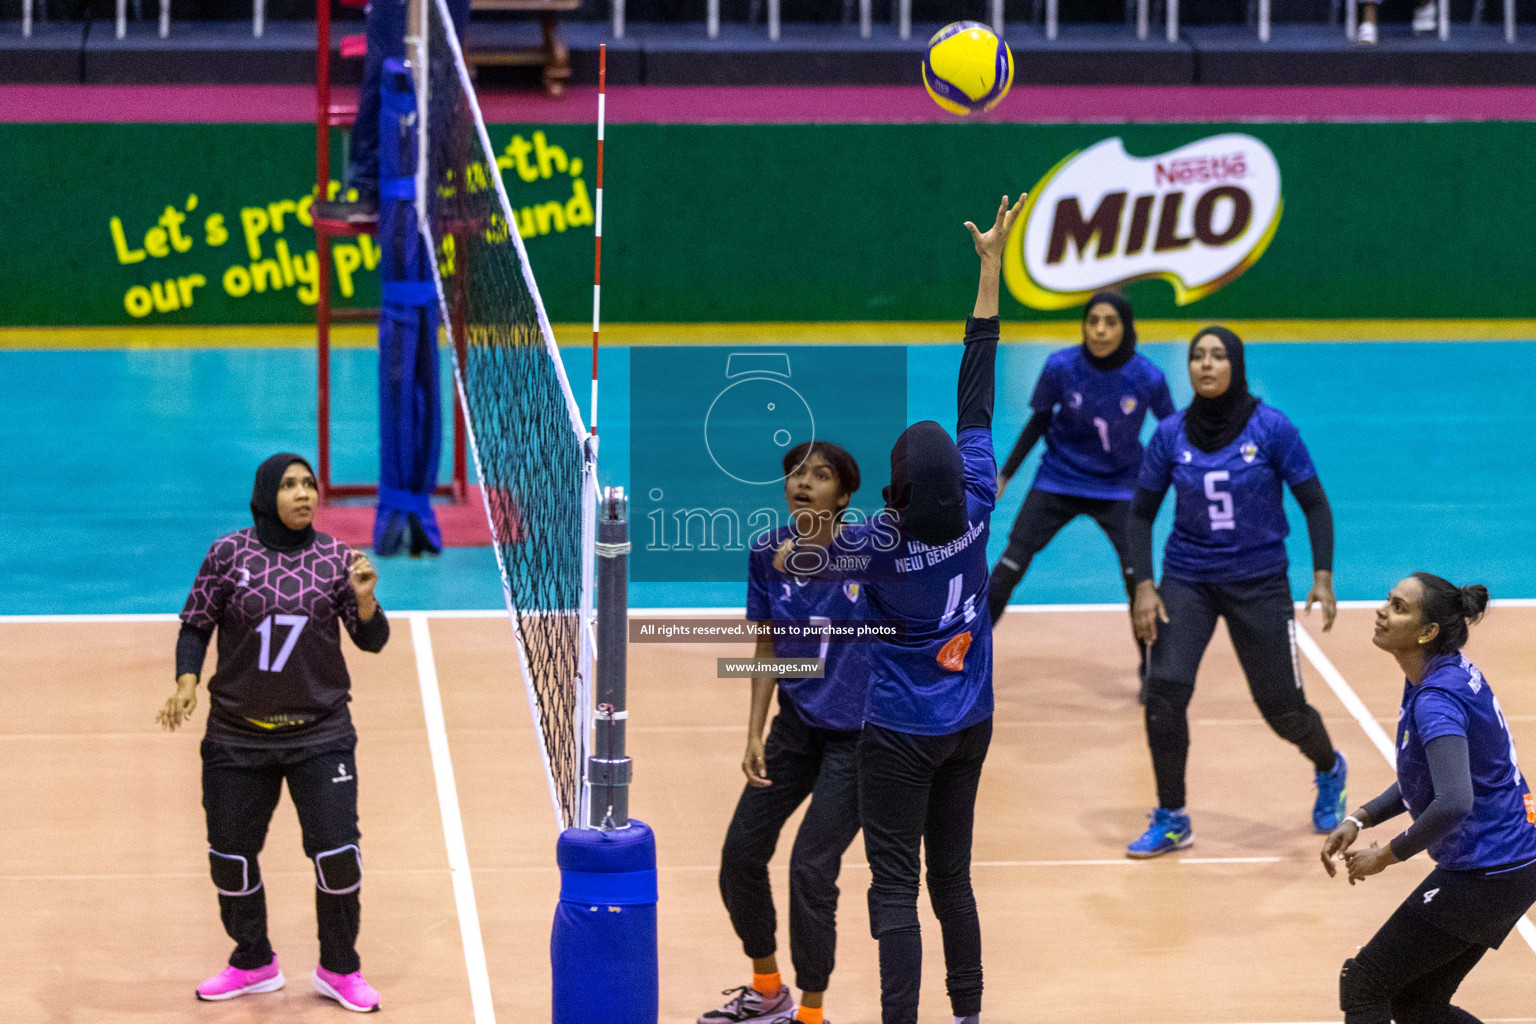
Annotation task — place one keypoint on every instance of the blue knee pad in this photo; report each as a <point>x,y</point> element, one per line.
<point>234,874</point>
<point>339,871</point>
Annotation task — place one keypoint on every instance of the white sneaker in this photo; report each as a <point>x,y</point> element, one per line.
<point>1426,18</point>
<point>1365,33</point>
<point>748,1004</point>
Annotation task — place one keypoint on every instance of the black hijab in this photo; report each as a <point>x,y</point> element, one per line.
<point>270,529</point>
<point>1122,355</point>
<point>928,483</point>
<point>1213,423</point>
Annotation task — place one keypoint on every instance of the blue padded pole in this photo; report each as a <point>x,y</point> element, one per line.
<point>602,950</point>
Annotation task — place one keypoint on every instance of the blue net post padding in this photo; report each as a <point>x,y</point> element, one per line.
<point>410,415</point>
<point>603,948</point>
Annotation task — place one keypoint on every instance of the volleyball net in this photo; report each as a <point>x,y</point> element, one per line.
<point>532,451</point>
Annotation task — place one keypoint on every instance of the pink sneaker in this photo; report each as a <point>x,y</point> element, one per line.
<point>350,990</point>
<point>232,981</point>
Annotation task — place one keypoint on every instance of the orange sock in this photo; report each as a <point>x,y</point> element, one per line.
<point>768,984</point>
<point>808,1014</point>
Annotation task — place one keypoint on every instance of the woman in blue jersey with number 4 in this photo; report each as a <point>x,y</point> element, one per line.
<point>1458,776</point>
<point>1227,457</point>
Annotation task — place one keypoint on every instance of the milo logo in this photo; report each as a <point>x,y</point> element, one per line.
<point>1197,217</point>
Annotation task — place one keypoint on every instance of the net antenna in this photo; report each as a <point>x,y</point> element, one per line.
<point>536,459</point>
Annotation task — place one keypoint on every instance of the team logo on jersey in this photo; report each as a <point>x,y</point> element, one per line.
<point>1249,451</point>
<point>1187,456</point>
<point>1077,400</point>
<point>1128,405</point>
<point>245,576</point>
<point>952,654</point>
<point>851,591</point>
<point>1197,217</point>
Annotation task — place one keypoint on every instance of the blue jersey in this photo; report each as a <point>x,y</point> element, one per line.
<point>937,679</point>
<point>1093,445</point>
<point>836,701</point>
<point>1229,514</point>
<point>1455,700</point>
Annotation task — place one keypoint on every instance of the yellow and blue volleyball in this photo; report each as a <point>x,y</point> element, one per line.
<point>967,68</point>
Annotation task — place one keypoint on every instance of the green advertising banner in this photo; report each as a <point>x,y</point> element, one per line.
<point>118,224</point>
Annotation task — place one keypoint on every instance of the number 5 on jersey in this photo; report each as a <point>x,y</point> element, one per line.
<point>1223,516</point>
<point>295,624</point>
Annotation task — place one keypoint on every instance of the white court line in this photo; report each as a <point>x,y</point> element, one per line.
<point>453,825</point>
<point>1346,694</point>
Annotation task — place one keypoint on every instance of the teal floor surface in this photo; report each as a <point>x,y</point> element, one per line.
<point>123,466</point>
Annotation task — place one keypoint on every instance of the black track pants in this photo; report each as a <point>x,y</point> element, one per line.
<point>920,792</point>
<point>1262,622</point>
<point>1040,518</point>
<point>241,787</point>
<point>801,760</point>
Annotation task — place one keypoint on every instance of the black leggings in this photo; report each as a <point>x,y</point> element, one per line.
<point>1040,518</point>
<point>1412,967</point>
<point>801,761</point>
<point>916,792</point>
<point>1407,973</point>
<point>241,787</point>
<point>1262,623</point>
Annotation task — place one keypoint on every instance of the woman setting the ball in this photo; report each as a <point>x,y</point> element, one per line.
<point>278,593</point>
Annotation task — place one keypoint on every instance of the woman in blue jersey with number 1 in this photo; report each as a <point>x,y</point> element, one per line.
<point>1227,457</point>
<point>1458,776</point>
<point>1089,404</point>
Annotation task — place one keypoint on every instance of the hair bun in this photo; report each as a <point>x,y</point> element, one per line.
<point>1474,601</point>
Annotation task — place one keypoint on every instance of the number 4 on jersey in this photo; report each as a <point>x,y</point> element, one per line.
<point>295,624</point>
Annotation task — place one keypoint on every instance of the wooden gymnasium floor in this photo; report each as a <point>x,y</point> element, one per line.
<point>110,916</point>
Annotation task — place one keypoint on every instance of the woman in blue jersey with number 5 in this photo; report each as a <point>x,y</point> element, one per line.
<point>1227,457</point>
<point>1458,776</point>
<point>1089,404</point>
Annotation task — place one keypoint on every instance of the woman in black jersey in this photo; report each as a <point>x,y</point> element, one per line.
<point>278,593</point>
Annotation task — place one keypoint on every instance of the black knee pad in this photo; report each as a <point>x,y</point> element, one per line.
<point>887,915</point>
<point>339,871</point>
<point>1293,726</point>
<point>1165,705</point>
<point>1362,989</point>
<point>234,874</point>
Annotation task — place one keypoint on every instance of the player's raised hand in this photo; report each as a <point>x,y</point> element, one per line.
<point>1338,841</point>
<point>989,244</point>
<point>362,576</point>
<point>1322,593</point>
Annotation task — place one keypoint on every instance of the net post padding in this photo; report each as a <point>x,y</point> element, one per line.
<point>530,448</point>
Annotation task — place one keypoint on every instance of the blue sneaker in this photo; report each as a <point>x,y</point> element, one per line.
<point>1332,797</point>
<point>1169,831</point>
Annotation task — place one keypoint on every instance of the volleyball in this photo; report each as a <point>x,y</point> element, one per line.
<point>967,68</point>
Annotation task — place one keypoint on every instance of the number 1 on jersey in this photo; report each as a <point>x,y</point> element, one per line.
<point>1103,428</point>
<point>295,624</point>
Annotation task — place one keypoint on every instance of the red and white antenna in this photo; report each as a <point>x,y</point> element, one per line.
<point>597,255</point>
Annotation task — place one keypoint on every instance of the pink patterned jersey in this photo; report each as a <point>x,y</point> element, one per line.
<point>281,679</point>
